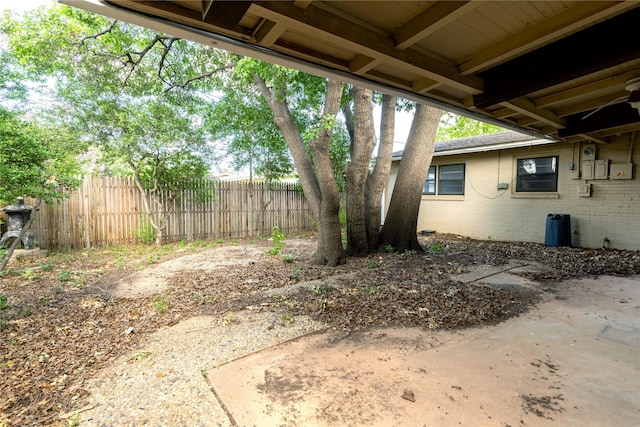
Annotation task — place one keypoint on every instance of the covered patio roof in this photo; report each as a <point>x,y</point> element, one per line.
<point>566,70</point>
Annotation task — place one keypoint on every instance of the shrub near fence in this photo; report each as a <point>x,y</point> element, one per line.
<point>107,211</point>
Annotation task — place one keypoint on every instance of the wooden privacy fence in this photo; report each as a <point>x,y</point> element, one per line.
<point>106,211</point>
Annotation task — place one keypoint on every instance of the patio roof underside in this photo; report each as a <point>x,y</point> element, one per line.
<point>561,69</point>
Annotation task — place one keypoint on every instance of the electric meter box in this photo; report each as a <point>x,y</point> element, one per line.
<point>589,152</point>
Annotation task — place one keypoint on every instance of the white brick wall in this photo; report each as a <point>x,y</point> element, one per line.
<point>612,211</point>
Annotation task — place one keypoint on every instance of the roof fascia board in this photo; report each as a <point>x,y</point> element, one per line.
<point>487,148</point>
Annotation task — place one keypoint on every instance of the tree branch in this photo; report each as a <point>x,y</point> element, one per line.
<point>95,36</point>
<point>200,77</point>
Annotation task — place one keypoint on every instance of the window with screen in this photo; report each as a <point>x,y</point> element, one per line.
<point>451,179</point>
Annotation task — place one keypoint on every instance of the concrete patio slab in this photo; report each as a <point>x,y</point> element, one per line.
<point>572,361</point>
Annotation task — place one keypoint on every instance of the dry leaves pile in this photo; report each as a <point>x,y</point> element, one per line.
<point>59,324</point>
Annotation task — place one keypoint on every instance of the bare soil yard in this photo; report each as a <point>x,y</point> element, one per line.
<point>65,317</point>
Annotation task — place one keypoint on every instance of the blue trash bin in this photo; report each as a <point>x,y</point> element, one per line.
<point>558,232</point>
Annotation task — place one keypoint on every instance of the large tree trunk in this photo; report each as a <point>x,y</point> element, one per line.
<point>316,177</point>
<point>378,178</point>
<point>400,225</point>
<point>357,172</point>
<point>330,250</point>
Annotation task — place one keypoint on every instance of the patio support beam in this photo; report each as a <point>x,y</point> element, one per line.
<point>269,32</point>
<point>224,14</point>
<point>596,48</point>
<point>527,108</point>
<point>607,117</point>
<point>430,20</point>
<point>542,33</point>
<point>352,36</point>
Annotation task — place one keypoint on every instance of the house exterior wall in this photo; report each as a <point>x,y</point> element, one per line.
<point>484,212</point>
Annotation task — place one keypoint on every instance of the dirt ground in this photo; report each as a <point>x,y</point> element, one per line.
<point>73,323</point>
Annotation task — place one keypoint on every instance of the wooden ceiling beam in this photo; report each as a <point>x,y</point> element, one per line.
<point>224,13</point>
<point>341,32</point>
<point>549,29</point>
<point>165,9</point>
<point>592,103</point>
<point>629,128</point>
<point>291,48</point>
<point>589,89</point>
<point>302,4</point>
<point>360,64</point>
<point>526,107</point>
<point>433,18</point>
<point>593,49</point>
<point>394,80</point>
<point>269,32</point>
<point>503,113</point>
<point>593,137</point>
<point>608,117</point>
<point>424,85</point>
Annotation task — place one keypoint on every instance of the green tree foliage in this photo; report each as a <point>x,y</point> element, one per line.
<point>35,162</point>
<point>453,126</point>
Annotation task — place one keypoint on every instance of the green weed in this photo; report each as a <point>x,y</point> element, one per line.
<point>435,248</point>
<point>288,258</point>
<point>80,281</point>
<point>408,254</point>
<point>287,318</point>
<point>146,233</point>
<point>297,273</point>
<point>29,274</point>
<point>372,263</point>
<point>161,303</point>
<point>47,267</point>
<point>319,289</point>
<point>63,276</point>
<point>3,302</point>
<point>276,240</point>
<point>372,290</point>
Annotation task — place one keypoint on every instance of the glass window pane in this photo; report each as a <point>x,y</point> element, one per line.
<point>430,183</point>
<point>451,179</point>
<point>537,174</point>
